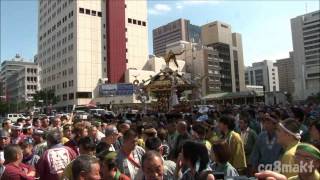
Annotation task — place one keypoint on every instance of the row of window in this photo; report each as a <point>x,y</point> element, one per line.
<point>31,70</point>
<point>138,22</point>
<point>53,28</point>
<point>32,87</point>
<point>32,79</point>
<point>90,12</point>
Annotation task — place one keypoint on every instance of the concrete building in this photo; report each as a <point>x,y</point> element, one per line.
<point>201,62</point>
<point>177,30</point>
<point>263,74</point>
<point>81,42</point>
<point>306,54</point>
<point>219,36</point>
<point>286,74</point>
<point>19,79</point>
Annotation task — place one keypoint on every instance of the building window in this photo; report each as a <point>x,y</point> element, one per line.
<point>88,11</point>
<point>81,10</point>
<point>99,14</point>
<point>93,13</point>
<point>84,95</point>
<point>71,96</point>
<point>139,22</point>
<point>65,97</point>
<point>129,20</point>
<point>134,21</point>
<point>104,58</point>
<point>143,23</point>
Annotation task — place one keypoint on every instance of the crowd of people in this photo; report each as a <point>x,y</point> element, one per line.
<point>205,144</point>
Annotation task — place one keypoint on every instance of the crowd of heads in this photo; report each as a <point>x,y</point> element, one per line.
<point>197,144</point>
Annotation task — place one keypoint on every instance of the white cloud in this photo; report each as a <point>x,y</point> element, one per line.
<point>184,3</point>
<point>159,9</point>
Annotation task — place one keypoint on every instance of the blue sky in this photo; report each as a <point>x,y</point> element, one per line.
<point>264,25</point>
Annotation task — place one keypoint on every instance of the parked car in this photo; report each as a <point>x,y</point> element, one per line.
<point>14,117</point>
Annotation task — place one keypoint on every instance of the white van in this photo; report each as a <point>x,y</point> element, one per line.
<point>14,117</point>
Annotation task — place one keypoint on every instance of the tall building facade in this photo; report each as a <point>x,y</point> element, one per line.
<point>263,74</point>
<point>286,74</point>
<point>202,63</point>
<point>82,42</point>
<point>219,36</point>
<point>19,79</point>
<point>178,30</point>
<point>306,54</point>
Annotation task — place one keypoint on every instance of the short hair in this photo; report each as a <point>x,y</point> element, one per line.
<point>10,152</point>
<point>67,126</point>
<point>54,137</point>
<point>129,134</point>
<point>221,151</point>
<point>87,143</point>
<point>292,125</point>
<point>149,155</point>
<point>199,129</point>
<point>229,121</point>
<point>153,143</point>
<point>110,159</point>
<point>245,116</point>
<point>298,113</point>
<point>83,163</point>
<point>194,152</point>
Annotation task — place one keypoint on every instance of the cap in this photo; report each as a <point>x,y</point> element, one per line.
<point>4,133</point>
<point>111,130</point>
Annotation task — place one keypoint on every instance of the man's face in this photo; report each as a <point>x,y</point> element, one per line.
<point>222,127</point>
<point>84,132</point>
<point>56,122</point>
<point>26,149</point>
<point>153,169</point>
<point>243,126</point>
<point>131,143</point>
<point>171,128</point>
<point>7,125</point>
<point>67,133</point>
<point>4,141</point>
<point>45,123</point>
<point>94,174</point>
<point>16,132</point>
<point>282,136</point>
<point>268,125</point>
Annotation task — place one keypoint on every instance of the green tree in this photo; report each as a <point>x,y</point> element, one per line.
<point>45,98</point>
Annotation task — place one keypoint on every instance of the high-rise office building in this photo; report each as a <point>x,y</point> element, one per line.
<point>219,36</point>
<point>306,54</point>
<point>286,74</point>
<point>178,30</point>
<point>263,74</point>
<point>81,42</point>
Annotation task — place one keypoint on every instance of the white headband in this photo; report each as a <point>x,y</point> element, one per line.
<point>296,135</point>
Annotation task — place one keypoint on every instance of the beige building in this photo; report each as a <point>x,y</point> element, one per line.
<point>306,54</point>
<point>286,74</point>
<point>19,78</point>
<point>136,33</point>
<point>202,64</point>
<point>178,30</point>
<point>229,46</point>
<point>73,48</point>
